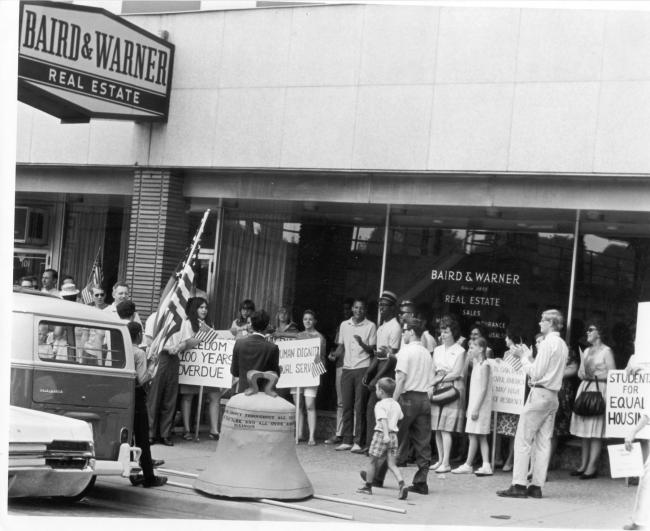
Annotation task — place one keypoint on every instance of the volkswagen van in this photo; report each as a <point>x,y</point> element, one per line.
<point>76,360</point>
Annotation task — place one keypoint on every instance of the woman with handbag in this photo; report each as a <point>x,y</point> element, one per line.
<point>448,399</point>
<point>588,418</point>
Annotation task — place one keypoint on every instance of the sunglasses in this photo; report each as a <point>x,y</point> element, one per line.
<point>100,294</point>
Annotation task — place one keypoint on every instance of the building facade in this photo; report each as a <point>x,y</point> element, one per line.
<point>486,162</point>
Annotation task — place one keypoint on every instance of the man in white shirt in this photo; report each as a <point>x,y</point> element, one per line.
<point>49,281</point>
<point>389,337</point>
<point>535,427</point>
<point>121,293</point>
<point>414,384</point>
<point>357,340</point>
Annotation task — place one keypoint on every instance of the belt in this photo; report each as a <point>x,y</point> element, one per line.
<point>414,392</point>
<point>542,387</point>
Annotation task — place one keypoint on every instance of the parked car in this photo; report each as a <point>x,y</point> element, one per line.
<point>76,361</point>
<point>49,455</point>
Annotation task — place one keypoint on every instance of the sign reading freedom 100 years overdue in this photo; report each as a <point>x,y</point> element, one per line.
<point>508,388</point>
<point>628,397</point>
<point>207,364</point>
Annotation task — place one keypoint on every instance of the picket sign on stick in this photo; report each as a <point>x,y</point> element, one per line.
<point>198,413</point>
<point>297,414</point>
<point>494,438</point>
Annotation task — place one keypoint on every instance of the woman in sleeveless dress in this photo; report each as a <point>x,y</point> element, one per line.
<point>595,361</point>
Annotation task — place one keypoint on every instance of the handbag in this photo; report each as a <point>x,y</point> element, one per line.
<point>589,403</point>
<point>444,394</point>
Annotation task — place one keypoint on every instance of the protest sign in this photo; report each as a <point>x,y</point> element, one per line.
<point>642,340</point>
<point>624,464</point>
<point>208,364</point>
<point>508,388</point>
<point>628,396</point>
<point>297,363</point>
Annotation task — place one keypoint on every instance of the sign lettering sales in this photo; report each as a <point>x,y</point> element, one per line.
<point>90,54</point>
<point>508,389</point>
<point>628,397</point>
<point>208,364</point>
<point>297,363</point>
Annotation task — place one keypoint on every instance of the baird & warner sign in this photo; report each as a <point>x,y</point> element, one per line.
<point>78,62</point>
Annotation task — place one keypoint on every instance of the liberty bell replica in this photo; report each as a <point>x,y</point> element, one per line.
<point>256,454</point>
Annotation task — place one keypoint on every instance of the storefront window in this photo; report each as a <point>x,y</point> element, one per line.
<point>612,277</point>
<point>503,279</point>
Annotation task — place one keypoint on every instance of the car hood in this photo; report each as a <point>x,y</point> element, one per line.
<point>29,425</point>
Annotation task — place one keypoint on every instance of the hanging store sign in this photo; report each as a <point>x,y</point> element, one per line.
<point>78,62</point>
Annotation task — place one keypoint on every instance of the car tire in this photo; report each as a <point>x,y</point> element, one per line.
<point>83,493</point>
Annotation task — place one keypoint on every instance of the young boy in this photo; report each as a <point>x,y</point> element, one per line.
<point>384,440</point>
<point>141,418</point>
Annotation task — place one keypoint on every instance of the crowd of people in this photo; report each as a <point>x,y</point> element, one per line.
<point>403,389</point>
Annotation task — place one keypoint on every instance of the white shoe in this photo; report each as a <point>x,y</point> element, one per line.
<point>463,469</point>
<point>343,446</point>
<point>435,466</point>
<point>485,470</point>
<point>356,449</point>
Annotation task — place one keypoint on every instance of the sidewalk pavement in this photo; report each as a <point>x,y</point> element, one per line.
<point>467,500</point>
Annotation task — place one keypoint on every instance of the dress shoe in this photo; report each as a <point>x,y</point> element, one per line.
<point>167,441</point>
<point>343,447</point>
<point>366,489</point>
<point>157,462</point>
<point>334,440</point>
<point>356,449</point>
<point>534,491</point>
<point>213,436</point>
<point>514,491</point>
<point>403,492</point>
<point>375,482</point>
<point>593,475</point>
<point>577,472</point>
<point>156,481</point>
<point>633,527</point>
<point>419,488</point>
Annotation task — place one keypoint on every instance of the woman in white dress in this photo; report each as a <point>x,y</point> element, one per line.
<point>449,367</point>
<point>595,361</point>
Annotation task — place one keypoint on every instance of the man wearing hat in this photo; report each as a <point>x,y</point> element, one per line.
<point>69,292</point>
<point>389,336</point>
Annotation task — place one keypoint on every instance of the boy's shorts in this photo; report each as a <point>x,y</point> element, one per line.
<point>378,448</point>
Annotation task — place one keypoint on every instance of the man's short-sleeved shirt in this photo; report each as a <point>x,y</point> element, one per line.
<point>389,334</point>
<point>355,357</point>
<point>415,362</point>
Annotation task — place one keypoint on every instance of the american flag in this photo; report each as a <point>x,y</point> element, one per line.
<point>171,310</point>
<point>206,334</point>
<point>513,361</point>
<point>95,280</point>
<point>318,369</point>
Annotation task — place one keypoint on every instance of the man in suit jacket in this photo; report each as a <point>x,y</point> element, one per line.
<point>254,352</point>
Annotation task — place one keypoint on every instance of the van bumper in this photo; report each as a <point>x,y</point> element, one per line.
<point>123,466</point>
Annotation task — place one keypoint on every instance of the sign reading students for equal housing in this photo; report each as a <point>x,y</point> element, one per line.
<point>208,364</point>
<point>297,363</point>
<point>628,397</point>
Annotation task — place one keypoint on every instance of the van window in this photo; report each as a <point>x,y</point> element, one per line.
<point>69,343</point>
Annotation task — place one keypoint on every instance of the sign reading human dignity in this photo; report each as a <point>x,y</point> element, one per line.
<point>78,62</point>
